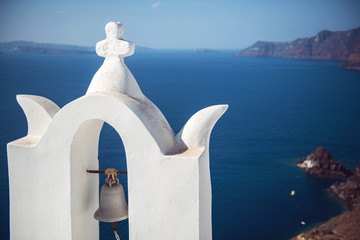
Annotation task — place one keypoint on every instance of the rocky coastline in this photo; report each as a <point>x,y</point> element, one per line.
<point>343,227</point>
<point>349,191</point>
<point>346,226</point>
<point>325,45</point>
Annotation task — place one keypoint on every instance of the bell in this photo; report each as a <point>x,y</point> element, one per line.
<point>113,207</point>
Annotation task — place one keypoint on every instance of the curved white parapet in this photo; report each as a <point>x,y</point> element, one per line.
<point>39,112</point>
<point>169,188</point>
<point>197,130</point>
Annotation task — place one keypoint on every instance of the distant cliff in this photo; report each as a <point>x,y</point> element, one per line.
<point>353,62</point>
<point>50,48</point>
<point>33,47</point>
<point>326,45</point>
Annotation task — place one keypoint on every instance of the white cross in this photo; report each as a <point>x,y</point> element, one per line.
<point>114,45</point>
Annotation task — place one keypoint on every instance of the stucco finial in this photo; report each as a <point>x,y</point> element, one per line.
<point>114,45</point>
<point>113,76</point>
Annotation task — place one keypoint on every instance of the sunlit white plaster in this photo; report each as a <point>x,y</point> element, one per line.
<point>169,188</point>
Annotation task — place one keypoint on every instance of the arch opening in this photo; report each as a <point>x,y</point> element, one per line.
<point>96,145</point>
<point>111,154</point>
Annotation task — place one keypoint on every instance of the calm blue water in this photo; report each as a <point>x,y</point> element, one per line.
<point>279,111</point>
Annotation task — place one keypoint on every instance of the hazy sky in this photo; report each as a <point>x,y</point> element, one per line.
<point>175,23</point>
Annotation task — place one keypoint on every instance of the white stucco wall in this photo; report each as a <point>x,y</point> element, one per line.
<point>169,188</point>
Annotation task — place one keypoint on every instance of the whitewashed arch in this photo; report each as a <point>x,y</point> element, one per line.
<point>169,188</point>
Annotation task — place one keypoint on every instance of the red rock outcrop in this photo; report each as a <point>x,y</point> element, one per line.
<point>320,163</point>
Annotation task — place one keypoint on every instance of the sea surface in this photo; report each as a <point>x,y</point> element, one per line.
<point>280,110</point>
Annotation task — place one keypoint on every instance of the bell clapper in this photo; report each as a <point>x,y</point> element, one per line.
<point>110,180</point>
<point>113,224</point>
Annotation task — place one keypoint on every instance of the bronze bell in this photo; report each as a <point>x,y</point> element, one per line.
<point>113,207</point>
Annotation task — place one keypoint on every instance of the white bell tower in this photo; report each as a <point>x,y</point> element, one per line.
<point>169,189</point>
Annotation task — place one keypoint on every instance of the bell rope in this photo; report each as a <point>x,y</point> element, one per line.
<point>116,235</point>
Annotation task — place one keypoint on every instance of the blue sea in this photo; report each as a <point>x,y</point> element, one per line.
<point>280,110</point>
